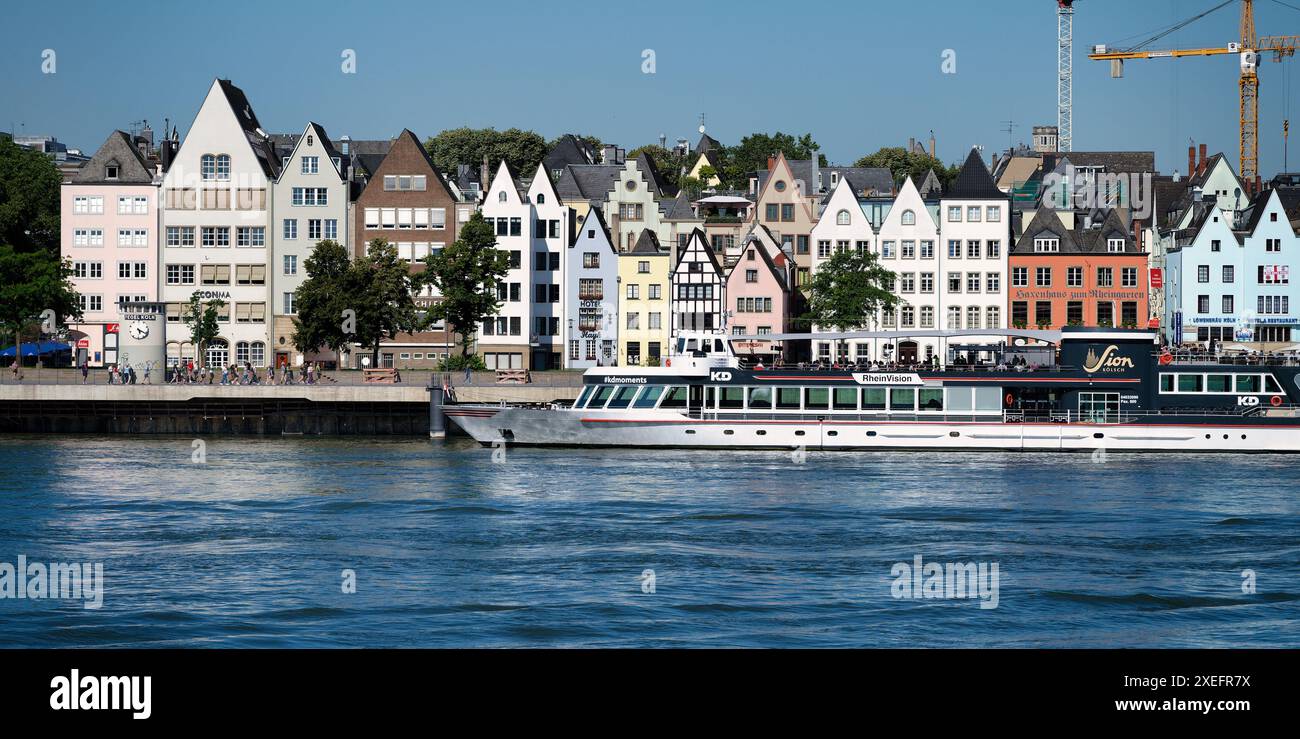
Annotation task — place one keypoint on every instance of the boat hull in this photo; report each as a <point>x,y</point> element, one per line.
<point>658,429</point>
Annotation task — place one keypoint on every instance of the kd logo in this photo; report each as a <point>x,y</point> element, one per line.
<point>716,376</point>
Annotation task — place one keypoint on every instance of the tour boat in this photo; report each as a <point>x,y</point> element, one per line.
<point>1088,389</point>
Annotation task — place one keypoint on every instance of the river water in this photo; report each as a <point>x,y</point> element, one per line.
<point>252,542</point>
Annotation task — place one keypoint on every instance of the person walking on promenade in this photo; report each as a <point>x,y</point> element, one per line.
<point>85,371</point>
<point>469,376</point>
<point>148,369</point>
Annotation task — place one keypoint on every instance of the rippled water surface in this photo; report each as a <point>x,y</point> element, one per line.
<point>547,547</point>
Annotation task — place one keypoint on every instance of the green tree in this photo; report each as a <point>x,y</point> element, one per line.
<point>522,150</point>
<point>30,284</point>
<point>692,186</point>
<point>848,289</point>
<point>902,163</point>
<point>466,274</point>
<point>378,287</point>
<point>321,299</point>
<point>29,200</point>
<point>751,154</point>
<point>201,318</point>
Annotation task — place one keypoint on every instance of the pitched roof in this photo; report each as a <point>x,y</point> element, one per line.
<point>647,244</point>
<point>706,144</point>
<point>974,182</point>
<point>756,243</point>
<point>679,209</point>
<point>1126,162</point>
<point>929,185</point>
<point>599,217</point>
<point>591,182</point>
<point>698,236</point>
<point>646,164</point>
<point>131,166</point>
<point>1082,239</point>
<point>863,180</point>
<point>569,149</point>
<point>258,140</point>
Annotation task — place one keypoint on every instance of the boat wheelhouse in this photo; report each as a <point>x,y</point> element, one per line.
<point>1098,388</point>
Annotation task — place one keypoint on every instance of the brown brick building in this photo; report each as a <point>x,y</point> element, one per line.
<point>409,202</point>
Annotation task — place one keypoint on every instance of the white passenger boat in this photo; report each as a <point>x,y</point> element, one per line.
<point>1103,389</point>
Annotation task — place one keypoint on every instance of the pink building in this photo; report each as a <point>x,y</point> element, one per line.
<point>759,295</point>
<point>110,235</point>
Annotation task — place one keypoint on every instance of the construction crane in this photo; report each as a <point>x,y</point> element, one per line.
<point>1248,51</point>
<point>1065,74</point>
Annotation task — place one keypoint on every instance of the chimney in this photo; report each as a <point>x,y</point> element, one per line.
<point>911,144</point>
<point>1191,160</point>
<point>1203,156</point>
<point>1137,233</point>
<point>771,162</point>
<point>483,174</point>
<point>932,144</point>
<point>345,145</point>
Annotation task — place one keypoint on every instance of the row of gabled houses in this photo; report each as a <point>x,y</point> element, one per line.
<point>608,261</point>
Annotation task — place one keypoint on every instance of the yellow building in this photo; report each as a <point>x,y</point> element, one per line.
<point>643,303</point>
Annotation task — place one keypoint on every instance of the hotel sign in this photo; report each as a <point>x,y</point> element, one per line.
<point>887,378</point>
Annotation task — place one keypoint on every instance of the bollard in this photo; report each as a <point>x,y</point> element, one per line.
<point>437,421</point>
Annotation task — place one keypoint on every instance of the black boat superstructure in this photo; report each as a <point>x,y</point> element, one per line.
<point>1109,389</point>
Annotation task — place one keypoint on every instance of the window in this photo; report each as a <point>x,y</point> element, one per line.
<point>908,282</point>
<point>927,282</point>
<point>1273,274</point>
<point>250,274</point>
<point>180,236</point>
<point>180,274</point>
<point>250,236</point>
<point>1229,273</point>
<point>310,196</point>
<point>1128,276</point>
<point>1273,245</point>
<point>291,264</point>
<point>633,292</point>
<point>973,214</point>
<point>954,249</point>
<point>1203,303</point>
<point>216,236</point>
<point>1043,313</point>
<point>310,165</point>
<point>954,282</point>
<point>1203,273</point>
<point>909,218</point>
<point>1020,276</point>
<point>1074,276</point>
<point>1105,277</point>
<point>954,214</point>
<point>215,166</point>
<point>994,214</point>
<point>994,282</point>
<point>973,249</point>
<point>1228,304</point>
<point>927,249</point>
<point>656,291</point>
<point>1215,244</point>
<point>643,267</point>
<point>994,317</point>
<point>1115,246</point>
<point>842,218</point>
<point>132,271</point>
<point>1043,277</point>
<point>1047,245</point>
<point>972,282</point>
<point>787,212</point>
<point>291,228</point>
<point>633,321</point>
<point>908,250</point>
<point>887,250</point>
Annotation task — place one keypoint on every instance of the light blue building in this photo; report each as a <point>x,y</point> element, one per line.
<point>1231,282</point>
<point>591,281</point>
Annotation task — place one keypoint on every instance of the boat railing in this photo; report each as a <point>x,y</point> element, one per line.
<point>1011,416</point>
<point>921,367</point>
<point>1266,359</point>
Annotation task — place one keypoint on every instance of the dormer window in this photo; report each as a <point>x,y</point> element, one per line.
<point>1047,245</point>
<point>111,171</point>
<point>1115,246</point>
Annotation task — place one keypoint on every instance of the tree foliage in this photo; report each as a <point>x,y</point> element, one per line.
<point>848,289</point>
<point>29,200</point>
<point>31,283</point>
<point>739,162</point>
<point>466,274</point>
<point>322,298</point>
<point>201,318</point>
<point>378,287</point>
<point>669,162</point>
<point>522,150</point>
<point>902,163</point>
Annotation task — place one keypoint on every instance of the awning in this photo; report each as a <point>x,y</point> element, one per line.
<point>39,348</point>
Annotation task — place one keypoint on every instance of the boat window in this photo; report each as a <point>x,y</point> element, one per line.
<point>717,346</point>
<point>1190,383</point>
<point>873,399</point>
<point>623,397</point>
<point>845,399</point>
<point>731,397</point>
<point>902,399</point>
<point>760,397</point>
<point>1218,383</point>
<point>988,399</point>
<point>582,397</point>
<point>681,345</point>
<point>816,398</point>
<point>691,345</point>
<point>676,397</point>
<point>930,398</point>
<point>710,395</point>
<point>602,394</point>
<point>1270,384</point>
<point>787,398</point>
<point>1247,383</point>
<point>649,396</point>
<point>1166,383</point>
<point>961,398</point>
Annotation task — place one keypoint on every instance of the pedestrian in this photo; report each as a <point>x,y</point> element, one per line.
<point>85,371</point>
<point>148,369</point>
<point>468,375</point>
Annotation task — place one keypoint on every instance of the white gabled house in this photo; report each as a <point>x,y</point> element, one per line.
<point>591,295</point>
<point>697,286</point>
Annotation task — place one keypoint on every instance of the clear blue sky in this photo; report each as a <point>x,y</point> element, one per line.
<point>857,75</point>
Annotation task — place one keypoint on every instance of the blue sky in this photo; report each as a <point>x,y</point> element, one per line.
<point>857,75</point>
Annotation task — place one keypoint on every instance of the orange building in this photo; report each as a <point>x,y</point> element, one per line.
<point>1087,275</point>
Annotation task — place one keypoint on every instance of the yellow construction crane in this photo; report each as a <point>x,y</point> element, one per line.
<point>1248,51</point>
